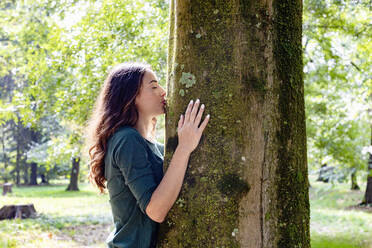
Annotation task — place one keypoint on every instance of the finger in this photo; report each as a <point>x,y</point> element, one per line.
<point>204,123</point>
<point>180,122</point>
<point>200,114</point>
<point>188,111</point>
<point>194,111</point>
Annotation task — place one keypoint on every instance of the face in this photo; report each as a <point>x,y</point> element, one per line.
<point>151,99</point>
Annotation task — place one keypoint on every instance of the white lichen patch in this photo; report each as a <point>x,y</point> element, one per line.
<point>187,79</point>
<point>180,202</point>
<point>199,33</point>
<point>234,232</point>
<point>181,92</point>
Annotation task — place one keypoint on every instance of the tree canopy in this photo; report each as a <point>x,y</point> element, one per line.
<point>54,57</point>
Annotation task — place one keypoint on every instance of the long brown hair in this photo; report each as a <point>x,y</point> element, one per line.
<point>115,107</point>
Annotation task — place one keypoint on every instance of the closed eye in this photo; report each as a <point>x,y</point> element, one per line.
<point>154,87</point>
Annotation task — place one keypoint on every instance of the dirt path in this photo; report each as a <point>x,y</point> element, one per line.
<point>85,235</point>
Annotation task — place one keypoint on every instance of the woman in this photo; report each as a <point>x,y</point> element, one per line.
<point>126,158</point>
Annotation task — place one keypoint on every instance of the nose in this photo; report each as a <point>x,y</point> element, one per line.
<point>163,92</point>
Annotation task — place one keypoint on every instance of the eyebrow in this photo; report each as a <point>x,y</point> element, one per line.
<point>153,81</point>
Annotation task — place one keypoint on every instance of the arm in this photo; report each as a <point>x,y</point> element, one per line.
<point>167,191</point>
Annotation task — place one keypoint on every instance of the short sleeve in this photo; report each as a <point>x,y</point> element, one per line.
<point>131,157</point>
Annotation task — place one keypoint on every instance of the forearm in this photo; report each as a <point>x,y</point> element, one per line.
<point>167,191</point>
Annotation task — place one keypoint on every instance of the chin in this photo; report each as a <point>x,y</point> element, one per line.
<point>161,113</point>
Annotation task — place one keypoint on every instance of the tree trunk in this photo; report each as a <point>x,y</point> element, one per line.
<point>368,194</point>
<point>33,178</point>
<point>25,167</point>
<point>5,158</point>
<point>18,154</point>
<point>35,136</point>
<point>43,179</point>
<point>74,176</point>
<point>247,182</point>
<point>7,188</point>
<point>17,212</point>
<point>354,182</point>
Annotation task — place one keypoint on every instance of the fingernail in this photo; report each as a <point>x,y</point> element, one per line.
<point>202,106</point>
<point>191,102</point>
<point>197,100</point>
<point>208,116</point>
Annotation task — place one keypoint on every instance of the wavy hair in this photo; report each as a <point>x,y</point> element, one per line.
<point>115,107</point>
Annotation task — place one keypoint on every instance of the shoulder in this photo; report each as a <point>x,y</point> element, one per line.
<point>126,135</point>
<point>125,144</point>
<point>126,132</point>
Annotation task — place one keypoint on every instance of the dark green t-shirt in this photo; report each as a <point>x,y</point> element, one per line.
<point>133,169</point>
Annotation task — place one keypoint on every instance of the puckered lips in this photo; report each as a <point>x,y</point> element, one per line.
<point>164,104</point>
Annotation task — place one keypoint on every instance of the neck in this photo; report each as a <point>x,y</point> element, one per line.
<point>144,126</point>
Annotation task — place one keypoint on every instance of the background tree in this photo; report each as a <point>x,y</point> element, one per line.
<point>368,193</point>
<point>336,66</point>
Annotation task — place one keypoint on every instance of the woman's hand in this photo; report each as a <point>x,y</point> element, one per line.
<point>189,133</point>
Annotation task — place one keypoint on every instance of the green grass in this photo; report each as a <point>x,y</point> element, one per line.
<point>333,224</point>
<point>66,219</point>
<point>83,219</point>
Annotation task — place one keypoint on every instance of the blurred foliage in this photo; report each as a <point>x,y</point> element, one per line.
<point>55,55</point>
<point>338,85</point>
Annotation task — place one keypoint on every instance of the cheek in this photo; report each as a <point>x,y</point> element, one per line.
<point>142,102</point>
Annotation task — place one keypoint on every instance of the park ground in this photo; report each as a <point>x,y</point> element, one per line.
<point>83,219</point>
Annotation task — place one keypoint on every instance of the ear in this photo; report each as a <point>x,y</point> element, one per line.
<point>154,120</point>
<point>136,100</point>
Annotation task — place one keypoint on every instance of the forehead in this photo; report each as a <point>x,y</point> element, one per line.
<point>148,76</point>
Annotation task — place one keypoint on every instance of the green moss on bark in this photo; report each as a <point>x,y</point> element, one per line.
<point>225,47</point>
<point>292,184</point>
<point>211,192</point>
<point>232,185</point>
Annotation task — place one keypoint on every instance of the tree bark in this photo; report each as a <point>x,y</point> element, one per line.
<point>35,136</point>
<point>368,193</point>
<point>354,182</point>
<point>7,188</point>
<point>17,212</point>
<point>43,179</point>
<point>18,154</point>
<point>25,167</point>
<point>5,157</point>
<point>74,176</point>
<point>33,177</point>
<point>247,182</point>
